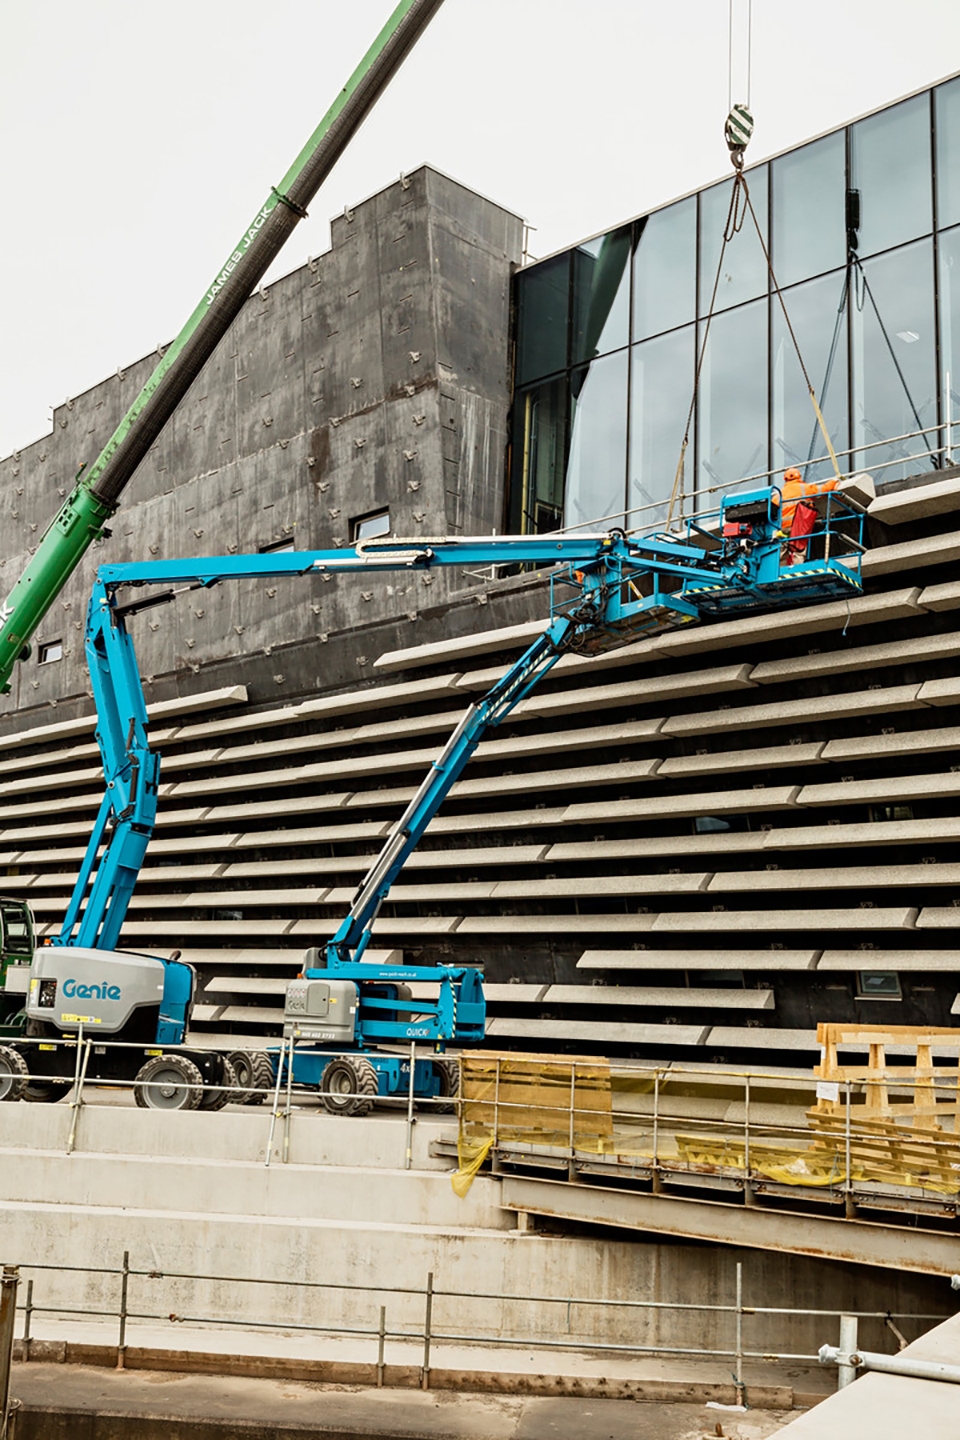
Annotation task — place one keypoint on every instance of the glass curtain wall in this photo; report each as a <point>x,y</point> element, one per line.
<point>863,228</point>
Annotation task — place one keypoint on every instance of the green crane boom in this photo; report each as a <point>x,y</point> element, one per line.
<point>96,495</point>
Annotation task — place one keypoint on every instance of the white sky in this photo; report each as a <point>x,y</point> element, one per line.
<point>138,139</point>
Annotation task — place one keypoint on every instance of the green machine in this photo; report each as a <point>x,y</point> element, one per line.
<point>16,953</point>
<point>84,515</point>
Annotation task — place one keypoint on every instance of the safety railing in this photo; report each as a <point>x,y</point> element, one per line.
<point>760,1132</point>
<point>72,1082</point>
<point>433,1317</point>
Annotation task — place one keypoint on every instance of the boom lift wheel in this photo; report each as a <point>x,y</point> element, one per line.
<point>46,1092</point>
<point>214,1097</point>
<point>177,1084</point>
<point>13,1073</point>
<point>348,1086</point>
<point>448,1074</point>
<point>253,1072</point>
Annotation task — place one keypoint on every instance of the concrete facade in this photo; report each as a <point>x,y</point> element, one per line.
<point>375,377</point>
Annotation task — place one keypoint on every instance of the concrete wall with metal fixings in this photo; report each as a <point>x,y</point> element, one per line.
<point>375,376</point>
<point>191,1197</point>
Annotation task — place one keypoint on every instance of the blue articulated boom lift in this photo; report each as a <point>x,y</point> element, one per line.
<point>606,590</point>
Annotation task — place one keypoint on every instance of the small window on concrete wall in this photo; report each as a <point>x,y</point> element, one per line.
<point>47,653</point>
<point>368,527</point>
<point>878,985</point>
<point>276,547</point>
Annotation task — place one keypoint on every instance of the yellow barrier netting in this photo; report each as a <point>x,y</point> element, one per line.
<point>576,1105</point>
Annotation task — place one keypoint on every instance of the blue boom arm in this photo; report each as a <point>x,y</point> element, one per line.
<point>606,589</point>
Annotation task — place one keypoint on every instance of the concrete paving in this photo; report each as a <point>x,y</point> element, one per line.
<point>68,1400</point>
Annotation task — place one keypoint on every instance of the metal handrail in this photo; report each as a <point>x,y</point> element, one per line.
<point>429,1333</point>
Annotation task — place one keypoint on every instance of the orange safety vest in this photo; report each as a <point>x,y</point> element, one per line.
<point>793,490</point>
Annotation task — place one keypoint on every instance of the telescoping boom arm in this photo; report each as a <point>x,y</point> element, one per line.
<point>606,589</point>
<point>96,494</point>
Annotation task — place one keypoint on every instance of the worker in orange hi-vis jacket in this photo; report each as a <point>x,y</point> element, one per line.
<point>798,520</point>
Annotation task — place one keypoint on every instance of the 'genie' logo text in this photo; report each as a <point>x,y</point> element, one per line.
<point>72,990</point>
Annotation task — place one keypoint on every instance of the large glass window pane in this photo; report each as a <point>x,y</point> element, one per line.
<point>543,300</point>
<point>661,384</point>
<point>665,270</point>
<point>744,273</point>
<point>539,458</point>
<point>732,407</point>
<point>894,378</point>
<point>809,187</point>
<point>601,295</point>
<point>950,340</point>
<point>947,112</point>
<point>818,314</point>
<point>890,167</point>
<point>596,470</point>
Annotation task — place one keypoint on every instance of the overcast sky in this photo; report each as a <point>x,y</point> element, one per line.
<point>139,139</point>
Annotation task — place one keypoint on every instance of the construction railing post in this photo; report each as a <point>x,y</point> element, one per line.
<point>655,1173</point>
<point>382,1340</point>
<point>408,1153</point>
<point>846,1374</point>
<point>288,1111</point>
<point>27,1320</point>
<point>9,1281</point>
<point>495,1164</point>
<point>849,1205</point>
<point>738,1378</point>
<point>77,1099</point>
<point>748,1195</point>
<point>427,1323</point>
<point>122,1337</point>
<point>276,1105</point>
<point>571,1162</point>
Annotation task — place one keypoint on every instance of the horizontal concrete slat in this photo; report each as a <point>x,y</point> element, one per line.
<point>682,959</point>
<point>837,877</point>
<point>553,924</point>
<point>637,692</point>
<point>804,620</point>
<point>604,1032</point>
<point>902,742</point>
<point>889,832</point>
<point>938,549</point>
<point>893,917</point>
<point>723,843</point>
<point>678,995</point>
<point>724,762</point>
<point>888,960</point>
<point>796,712</point>
<point>583,776</point>
<point>745,1037</point>
<point>158,710</point>
<point>938,498</point>
<point>939,917</point>
<point>889,787</point>
<point>711,802</point>
<point>866,657</point>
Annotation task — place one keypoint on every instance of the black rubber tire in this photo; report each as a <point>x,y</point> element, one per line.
<point>214,1097</point>
<point>254,1074</point>
<point>448,1074</point>
<point>46,1092</point>
<point>13,1073</point>
<point>348,1086</point>
<point>176,1084</point>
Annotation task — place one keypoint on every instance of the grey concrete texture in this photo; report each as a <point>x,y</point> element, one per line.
<point>78,1403</point>
<point>886,1407</point>
<point>378,375</point>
